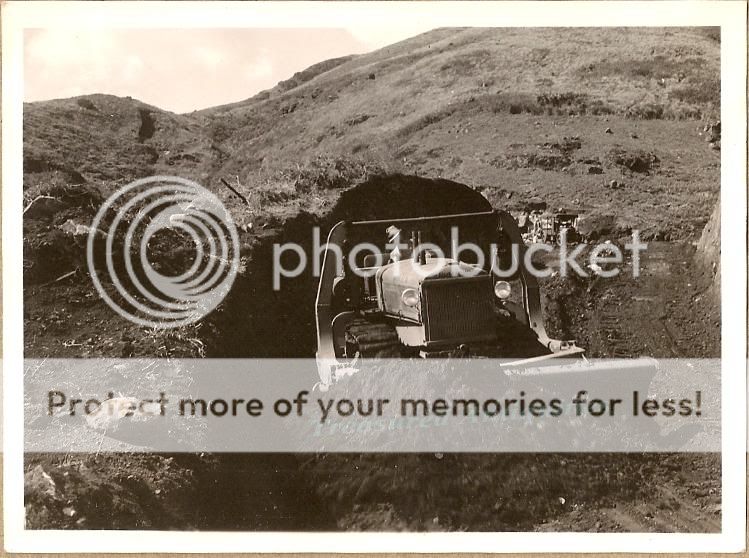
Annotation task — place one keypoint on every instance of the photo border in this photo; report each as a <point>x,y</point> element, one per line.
<point>729,15</point>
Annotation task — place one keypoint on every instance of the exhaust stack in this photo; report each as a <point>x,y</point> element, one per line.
<point>417,255</point>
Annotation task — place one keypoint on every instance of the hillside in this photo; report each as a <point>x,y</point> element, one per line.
<point>106,138</point>
<point>643,73</point>
<point>487,107</point>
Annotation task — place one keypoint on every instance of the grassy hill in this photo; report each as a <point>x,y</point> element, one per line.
<point>107,138</point>
<point>398,90</point>
<point>487,107</point>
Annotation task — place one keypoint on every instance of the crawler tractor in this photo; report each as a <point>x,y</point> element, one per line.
<point>420,302</point>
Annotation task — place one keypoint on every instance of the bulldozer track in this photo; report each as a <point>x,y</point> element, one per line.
<point>372,339</point>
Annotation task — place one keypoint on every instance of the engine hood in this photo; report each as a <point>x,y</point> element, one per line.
<point>407,273</point>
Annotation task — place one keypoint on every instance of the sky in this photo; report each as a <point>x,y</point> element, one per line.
<point>183,69</point>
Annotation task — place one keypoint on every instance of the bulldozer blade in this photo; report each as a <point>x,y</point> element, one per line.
<point>565,353</point>
<point>640,370</point>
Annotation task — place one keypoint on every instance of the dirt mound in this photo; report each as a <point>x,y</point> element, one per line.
<point>635,161</point>
<point>259,320</point>
<point>548,156</point>
<point>107,493</point>
<point>55,229</point>
<point>398,196</point>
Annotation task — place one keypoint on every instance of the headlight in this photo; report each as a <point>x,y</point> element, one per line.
<point>410,297</point>
<point>502,290</point>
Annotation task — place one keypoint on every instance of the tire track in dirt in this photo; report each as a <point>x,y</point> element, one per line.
<point>632,315</point>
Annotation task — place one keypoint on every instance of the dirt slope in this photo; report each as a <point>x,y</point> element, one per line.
<point>707,254</point>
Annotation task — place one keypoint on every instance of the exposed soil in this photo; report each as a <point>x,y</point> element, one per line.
<point>402,492</point>
<point>608,315</point>
<point>181,491</point>
<point>243,327</point>
<point>147,125</point>
<point>635,161</point>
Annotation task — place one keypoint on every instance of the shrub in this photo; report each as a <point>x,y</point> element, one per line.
<point>328,173</point>
<point>424,122</point>
<point>657,67</point>
<point>707,91</point>
<point>220,131</point>
<point>647,111</point>
<point>513,103</point>
<point>598,107</point>
<point>562,99</point>
<point>87,104</point>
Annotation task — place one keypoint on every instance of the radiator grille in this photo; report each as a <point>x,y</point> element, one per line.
<point>458,310</point>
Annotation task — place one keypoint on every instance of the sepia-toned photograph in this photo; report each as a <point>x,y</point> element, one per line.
<point>290,276</point>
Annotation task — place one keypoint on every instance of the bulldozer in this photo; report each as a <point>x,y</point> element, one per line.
<point>429,299</point>
<point>405,288</point>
